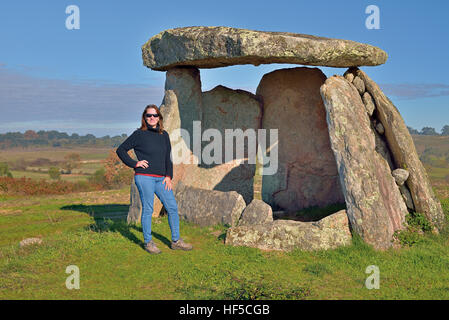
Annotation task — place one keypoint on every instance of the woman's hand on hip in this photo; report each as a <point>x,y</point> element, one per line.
<point>142,164</point>
<point>167,181</point>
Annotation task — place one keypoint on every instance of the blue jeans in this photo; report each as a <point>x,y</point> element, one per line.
<point>148,186</point>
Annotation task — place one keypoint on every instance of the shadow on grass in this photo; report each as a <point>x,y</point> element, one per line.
<point>113,218</point>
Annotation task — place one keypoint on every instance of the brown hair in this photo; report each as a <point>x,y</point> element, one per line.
<point>144,125</point>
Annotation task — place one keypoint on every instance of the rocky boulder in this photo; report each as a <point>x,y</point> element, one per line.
<point>257,212</point>
<point>328,233</point>
<point>208,207</point>
<point>400,176</point>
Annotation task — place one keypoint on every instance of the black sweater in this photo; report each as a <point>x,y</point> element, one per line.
<point>148,145</point>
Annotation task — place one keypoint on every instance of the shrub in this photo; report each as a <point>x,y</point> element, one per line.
<point>407,237</point>
<point>4,170</point>
<point>98,178</point>
<point>116,173</point>
<point>418,221</point>
<point>258,289</point>
<point>54,173</point>
<point>417,226</point>
<point>28,186</point>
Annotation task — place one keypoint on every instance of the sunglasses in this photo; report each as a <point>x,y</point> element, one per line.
<point>149,115</point>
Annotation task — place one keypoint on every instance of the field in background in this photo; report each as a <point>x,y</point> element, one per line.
<point>433,151</point>
<point>91,161</point>
<point>55,153</point>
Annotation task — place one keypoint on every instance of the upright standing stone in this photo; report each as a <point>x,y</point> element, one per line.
<point>237,113</point>
<point>404,154</point>
<point>374,204</point>
<point>307,173</point>
<point>135,206</point>
<point>220,108</point>
<point>180,108</point>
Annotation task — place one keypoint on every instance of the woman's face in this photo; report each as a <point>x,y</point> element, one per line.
<point>152,121</point>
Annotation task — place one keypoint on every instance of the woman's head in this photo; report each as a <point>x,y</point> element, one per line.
<point>148,116</point>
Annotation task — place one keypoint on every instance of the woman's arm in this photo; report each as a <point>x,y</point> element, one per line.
<point>168,161</point>
<point>122,150</point>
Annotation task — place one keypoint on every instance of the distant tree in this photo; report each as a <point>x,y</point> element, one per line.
<point>30,134</point>
<point>445,131</point>
<point>54,173</point>
<point>412,131</point>
<point>428,131</point>
<point>4,170</point>
<point>71,161</point>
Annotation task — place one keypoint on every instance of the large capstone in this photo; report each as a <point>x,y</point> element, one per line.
<point>213,47</point>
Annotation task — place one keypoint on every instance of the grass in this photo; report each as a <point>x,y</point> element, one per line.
<point>89,230</point>
<point>76,230</point>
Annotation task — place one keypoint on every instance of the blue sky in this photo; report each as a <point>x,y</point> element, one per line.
<point>92,80</point>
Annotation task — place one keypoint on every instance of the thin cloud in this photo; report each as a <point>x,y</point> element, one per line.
<point>415,90</point>
<point>28,98</point>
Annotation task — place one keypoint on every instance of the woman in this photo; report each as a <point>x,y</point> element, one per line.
<point>153,174</point>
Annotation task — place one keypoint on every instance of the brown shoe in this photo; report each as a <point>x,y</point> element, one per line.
<point>151,248</point>
<point>181,245</point>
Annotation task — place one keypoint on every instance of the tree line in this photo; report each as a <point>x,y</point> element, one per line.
<point>53,138</point>
<point>429,131</point>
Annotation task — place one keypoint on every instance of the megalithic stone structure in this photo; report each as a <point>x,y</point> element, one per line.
<point>341,140</point>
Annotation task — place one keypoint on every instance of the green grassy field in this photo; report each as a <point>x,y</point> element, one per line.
<point>89,230</point>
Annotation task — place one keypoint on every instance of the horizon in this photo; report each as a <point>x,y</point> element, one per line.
<point>93,79</point>
<point>121,134</point>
